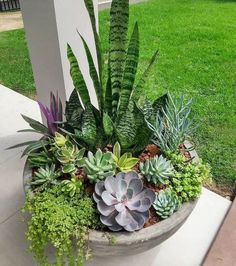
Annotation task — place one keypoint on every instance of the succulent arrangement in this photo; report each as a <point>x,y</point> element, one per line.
<point>92,168</point>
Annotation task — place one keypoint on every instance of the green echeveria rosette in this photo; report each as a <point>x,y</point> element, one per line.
<point>98,166</point>
<point>166,203</point>
<point>157,170</point>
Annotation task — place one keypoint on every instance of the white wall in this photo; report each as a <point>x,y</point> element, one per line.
<point>49,25</point>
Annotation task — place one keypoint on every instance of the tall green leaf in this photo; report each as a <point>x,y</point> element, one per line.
<point>90,9</point>
<point>146,72</point>
<point>88,126</point>
<point>77,77</point>
<point>73,109</point>
<point>119,18</point>
<point>108,95</point>
<point>94,75</point>
<point>130,70</point>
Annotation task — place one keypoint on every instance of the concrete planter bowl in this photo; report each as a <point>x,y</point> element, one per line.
<point>126,243</point>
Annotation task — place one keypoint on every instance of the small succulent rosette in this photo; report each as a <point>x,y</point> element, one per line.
<point>123,202</point>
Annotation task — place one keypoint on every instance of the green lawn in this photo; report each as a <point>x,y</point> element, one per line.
<point>197,41</point>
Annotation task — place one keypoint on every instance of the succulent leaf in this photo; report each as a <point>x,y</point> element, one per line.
<point>123,202</point>
<point>124,162</point>
<point>166,203</point>
<point>157,170</point>
<point>99,165</point>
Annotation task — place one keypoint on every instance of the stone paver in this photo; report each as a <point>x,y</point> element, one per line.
<point>186,248</point>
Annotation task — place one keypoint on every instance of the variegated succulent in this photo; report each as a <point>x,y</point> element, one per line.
<point>166,203</point>
<point>157,170</point>
<point>123,201</point>
<point>124,162</point>
<point>72,186</point>
<point>99,165</point>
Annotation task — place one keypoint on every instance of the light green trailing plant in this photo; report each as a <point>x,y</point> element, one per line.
<point>68,154</point>
<point>72,186</point>
<point>172,124</point>
<point>157,170</point>
<point>45,176</point>
<point>124,162</point>
<point>58,219</point>
<point>99,165</point>
<point>166,203</point>
<point>189,177</point>
<point>118,117</point>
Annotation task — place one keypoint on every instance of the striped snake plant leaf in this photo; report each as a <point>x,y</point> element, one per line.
<point>89,126</point>
<point>119,18</point>
<point>126,128</point>
<point>143,132</point>
<point>73,110</point>
<point>77,77</point>
<point>94,75</point>
<point>108,95</point>
<point>107,125</point>
<point>130,70</point>
<point>160,104</point>
<point>146,72</point>
<point>90,8</point>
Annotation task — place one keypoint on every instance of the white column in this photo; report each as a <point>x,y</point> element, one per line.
<point>49,25</point>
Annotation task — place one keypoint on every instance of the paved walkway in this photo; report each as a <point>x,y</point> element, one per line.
<point>13,20</point>
<point>186,248</point>
<point>10,21</point>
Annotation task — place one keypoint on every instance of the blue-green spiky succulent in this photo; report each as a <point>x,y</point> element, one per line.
<point>166,203</point>
<point>157,170</point>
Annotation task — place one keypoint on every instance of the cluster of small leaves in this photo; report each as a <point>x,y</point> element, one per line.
<point>55,219</point>
<point>189,177</point>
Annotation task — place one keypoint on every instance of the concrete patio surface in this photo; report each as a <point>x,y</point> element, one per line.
<point>187,247</point>
<point>13,20</point>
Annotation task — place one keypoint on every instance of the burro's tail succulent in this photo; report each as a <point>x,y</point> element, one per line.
<point>123,201</point>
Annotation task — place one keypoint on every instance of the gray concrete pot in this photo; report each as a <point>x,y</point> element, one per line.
<point>137,242</point>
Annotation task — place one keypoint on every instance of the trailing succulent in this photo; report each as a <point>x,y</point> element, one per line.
<point>123,201</point>
<point>166,203</point>
<point>157,170</point>
<point>55,219</point>
<point>99,165</point>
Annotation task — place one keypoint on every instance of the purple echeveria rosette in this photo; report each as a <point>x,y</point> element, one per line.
<point>123,201</point>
